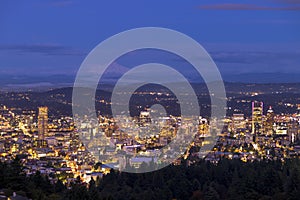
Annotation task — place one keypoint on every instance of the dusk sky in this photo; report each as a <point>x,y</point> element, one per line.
<point>245,36</point>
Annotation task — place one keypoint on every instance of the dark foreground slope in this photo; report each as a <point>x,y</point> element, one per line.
<point>230,179</point>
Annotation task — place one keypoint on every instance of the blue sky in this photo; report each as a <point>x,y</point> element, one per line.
<point>53,37</point>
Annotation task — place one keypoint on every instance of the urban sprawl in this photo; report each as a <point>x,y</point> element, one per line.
<point>53,146</point>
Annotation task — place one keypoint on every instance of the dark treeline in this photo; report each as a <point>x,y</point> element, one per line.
<point>230,179</point>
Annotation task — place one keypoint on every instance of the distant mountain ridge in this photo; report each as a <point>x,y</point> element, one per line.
<point>46,82</point>
<point>239,97</point>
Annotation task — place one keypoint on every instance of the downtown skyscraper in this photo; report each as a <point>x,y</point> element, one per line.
<point>42,125</point>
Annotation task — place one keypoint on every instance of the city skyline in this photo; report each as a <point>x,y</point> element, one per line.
<point>246,138</point>
<point>142,99</point>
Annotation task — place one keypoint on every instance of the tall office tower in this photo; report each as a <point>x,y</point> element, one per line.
<point>144,118</point>
<point>238,121</point>
<point>42,123</point>
<point>293,127</point>
<point>269,124</point>
<point>203,126</point>
<point>298,110</point>
<point>257,117</point>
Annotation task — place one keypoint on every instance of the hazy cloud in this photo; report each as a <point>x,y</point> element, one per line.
<point>61,3</point>
<point>259,57</point>
<point>288,1</point>
<point>236,6</point>
<point>46,49</point>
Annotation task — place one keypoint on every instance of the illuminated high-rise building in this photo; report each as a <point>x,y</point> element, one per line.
<point>293,128</point>
<point>203,126</point>
<point>42,123</point>
<point>298,110</point>
<point>238,121</point>
<point>144,118</point>
<point>269,123</point>
<point>257,117</point>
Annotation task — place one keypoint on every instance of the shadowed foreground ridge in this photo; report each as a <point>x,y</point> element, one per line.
<point>230,179</point>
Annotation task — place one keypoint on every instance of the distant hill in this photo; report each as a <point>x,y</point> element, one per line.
<point>44,82</point>
<point>282,97</point>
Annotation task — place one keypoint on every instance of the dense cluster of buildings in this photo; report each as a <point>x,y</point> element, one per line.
<point>264,135</point>
<point>54,145</point>
<point>50,146</point>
